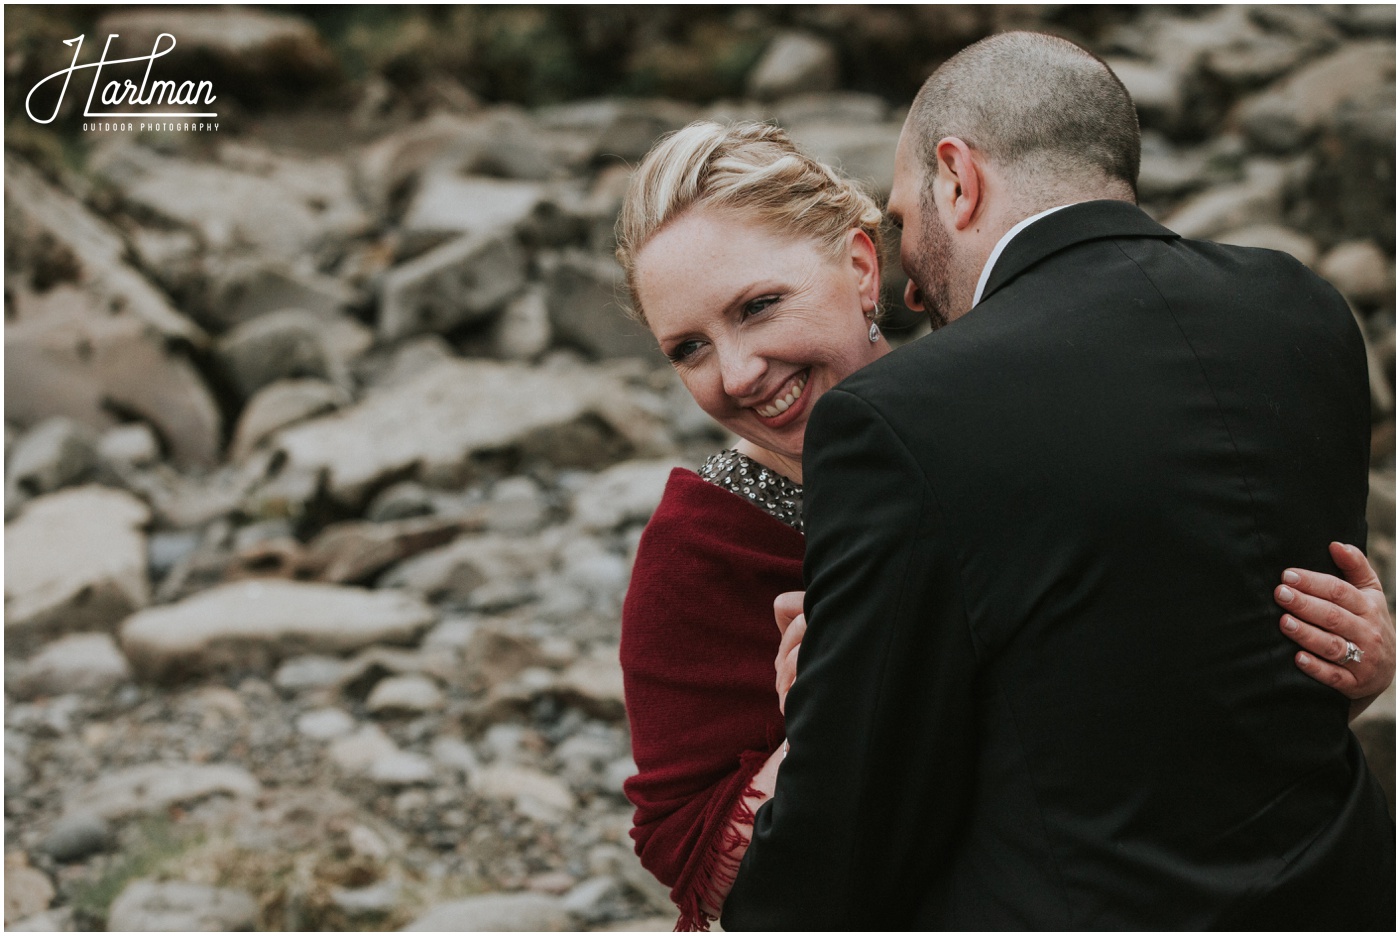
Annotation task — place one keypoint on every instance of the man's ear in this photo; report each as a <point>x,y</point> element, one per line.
<point>960,186</point>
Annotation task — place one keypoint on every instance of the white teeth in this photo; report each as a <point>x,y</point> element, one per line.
<point>782,405</point>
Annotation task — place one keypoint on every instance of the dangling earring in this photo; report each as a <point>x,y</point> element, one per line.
<point>874,328</point>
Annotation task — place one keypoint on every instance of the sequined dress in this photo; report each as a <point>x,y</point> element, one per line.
<point>771,492</point>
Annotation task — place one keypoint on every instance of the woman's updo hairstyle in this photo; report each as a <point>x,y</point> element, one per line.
<point>751,170</point>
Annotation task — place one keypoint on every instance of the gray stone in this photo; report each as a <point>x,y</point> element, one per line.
<point>358,752</point>
<point>374,900</point>
<point>1273,237</point>
<point>253,624</point>
<point>149,789</point>
<point>863,152</point>
<point>625,493</point>
<point>1169,172</point>
<point>16,763</point>
<point>617,128</point>
<point>794,62</point>
<point>355,551</point>
<point>82,663</point>
<point>516,507</point>
<point>1156,89</point>
<point>1380,503</point>
<point>301,673</point>
<point>36,212</point>
<point>463,281</point>
<point>593,900</point>
<point>76,360</point>
<point>1258,199</point>
<point>456,754</point>
<point>595,685</point>
<point>532,792</point>
<point>151,906</point>
<point>279,205</point>
<point>28,891</point>
<point>55,920</point>
<point>1290,114</point>
<point>508,913</point>
<point>405,695</point>
<point>401,768</point>
<point>585,310</point>
<point>54,454</point>
<point>130,444</point>
<point>1361,272</point>
<point>281,404</point>
<point>452,205</point>
<point>245,289</point>
<point>286,344</point>
<point>522,331</point>
<point>432,424</point>
<point>325,723</point>
<point>457,570</point>
<point>76,836</point>
<point>74,560</point>
<point>831,107</point>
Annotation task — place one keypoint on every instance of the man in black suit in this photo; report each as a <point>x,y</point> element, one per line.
<point>1042,684</point>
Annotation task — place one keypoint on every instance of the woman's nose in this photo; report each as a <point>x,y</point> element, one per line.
<point>742,373</point>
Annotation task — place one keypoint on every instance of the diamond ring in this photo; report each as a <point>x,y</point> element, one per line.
<point>1354,653</point>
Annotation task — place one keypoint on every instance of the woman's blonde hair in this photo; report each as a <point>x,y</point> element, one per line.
<point>749,169</point>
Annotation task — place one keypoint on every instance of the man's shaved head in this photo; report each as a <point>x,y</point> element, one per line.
<point>1051,114</point>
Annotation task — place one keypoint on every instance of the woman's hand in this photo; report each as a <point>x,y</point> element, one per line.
<point>1325,613</point>
<point>792,624</point>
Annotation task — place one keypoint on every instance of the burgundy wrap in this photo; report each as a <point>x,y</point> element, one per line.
<point>698,644</point>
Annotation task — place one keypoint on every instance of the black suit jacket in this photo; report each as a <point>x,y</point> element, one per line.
<point>1043,684</point>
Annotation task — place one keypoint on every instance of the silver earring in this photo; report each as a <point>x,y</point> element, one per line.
<point>874,332</point>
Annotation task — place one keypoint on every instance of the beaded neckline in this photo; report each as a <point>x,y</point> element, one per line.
<point>774,494</point>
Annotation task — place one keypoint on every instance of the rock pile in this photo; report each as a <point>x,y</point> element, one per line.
<point>325,465</point>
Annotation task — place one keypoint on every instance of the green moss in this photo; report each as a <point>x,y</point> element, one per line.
<point>155,849</point>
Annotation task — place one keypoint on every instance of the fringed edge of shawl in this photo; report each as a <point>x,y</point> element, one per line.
<point>722,856</point>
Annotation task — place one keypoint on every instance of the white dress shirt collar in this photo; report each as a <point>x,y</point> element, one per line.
<point>1001,245</point>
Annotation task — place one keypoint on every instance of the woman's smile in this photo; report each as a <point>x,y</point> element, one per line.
<point>784,408</point>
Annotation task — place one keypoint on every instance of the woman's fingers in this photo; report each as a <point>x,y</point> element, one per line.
<point>1322,643</point>
<point>1325,589</point>
<point>1327,613</point>
<point>1329,674</point>
<point>787,673</point>
<point>787,606</point>
<point>1356,567</point>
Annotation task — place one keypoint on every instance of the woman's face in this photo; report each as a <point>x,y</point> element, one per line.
<point>757,325</point>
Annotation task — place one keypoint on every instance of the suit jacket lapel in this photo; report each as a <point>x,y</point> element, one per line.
<point>1069,226</point>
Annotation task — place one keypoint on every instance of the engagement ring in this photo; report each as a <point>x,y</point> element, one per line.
<point>1354,653</point>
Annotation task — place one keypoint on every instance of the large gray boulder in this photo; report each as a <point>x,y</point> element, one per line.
<point>586,293</point>
<point>75,560</point>
<point>54,454</point>
<point>76,361</point>
<point>863,152</point>
<point>291,343</point>
<point>1292,113</point>
<point>463,281</point>
<point>794,62</point>
<point>448,205</point>
<point>431,425</point>
<point>84,248</point>
<point>256,623</point>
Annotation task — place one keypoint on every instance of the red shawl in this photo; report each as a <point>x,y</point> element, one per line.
<point>698,643</point>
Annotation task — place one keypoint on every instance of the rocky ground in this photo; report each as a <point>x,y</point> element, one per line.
<point>327,449</point>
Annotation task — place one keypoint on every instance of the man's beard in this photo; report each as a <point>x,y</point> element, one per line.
<point>932,271</point>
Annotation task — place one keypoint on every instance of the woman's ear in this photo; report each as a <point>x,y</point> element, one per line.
<point>865,262</point>
<point>960,186</point>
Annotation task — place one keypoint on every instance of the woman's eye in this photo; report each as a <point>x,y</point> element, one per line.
<point>755,306</point>
<point>683,351</point>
